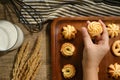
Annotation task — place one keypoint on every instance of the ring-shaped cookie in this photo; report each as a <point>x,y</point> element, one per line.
<point>68,71</point>
<point>67,49</point>
<point>116,48</point>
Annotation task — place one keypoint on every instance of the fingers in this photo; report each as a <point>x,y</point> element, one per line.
<point>86,37</point>
<point>88,22</point>
<point>105,33</point>
<point>104,27</point>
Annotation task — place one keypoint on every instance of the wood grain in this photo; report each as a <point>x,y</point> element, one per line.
<point>7,59</point>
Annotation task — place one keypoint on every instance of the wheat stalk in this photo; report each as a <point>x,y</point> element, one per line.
<point>18,59</point>
<point>34,59</point>
<point>26,67</point>
<point>24,59</point>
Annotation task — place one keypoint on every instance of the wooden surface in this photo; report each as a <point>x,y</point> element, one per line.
<point>58,60</point>
<point>7,58</point>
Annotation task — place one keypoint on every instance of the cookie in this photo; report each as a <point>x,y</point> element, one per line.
<point>113,30</point>
<point>94,29</point>
<point>69,32</point>
<point>114,70</point>
<point>68,71</point>
<point>116,48</point>
<point>67,49</point>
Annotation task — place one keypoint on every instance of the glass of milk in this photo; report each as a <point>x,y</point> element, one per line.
<point>11,36</point>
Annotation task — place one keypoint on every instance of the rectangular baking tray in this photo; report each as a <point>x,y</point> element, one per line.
<point>58,61</point>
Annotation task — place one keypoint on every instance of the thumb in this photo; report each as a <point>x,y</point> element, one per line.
<point>86,37</point>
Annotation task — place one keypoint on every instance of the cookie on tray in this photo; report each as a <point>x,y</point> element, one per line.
<point>68,71</point>
<point>113,30</point>
<point>67,49</point>
<point>69,32</point>
<point>114,70</point>
<point>116,48</point>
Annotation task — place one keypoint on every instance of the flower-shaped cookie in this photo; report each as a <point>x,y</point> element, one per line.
<point>113,30</point>
<point>114,70</point>
<point>94,28</point>
<point>69,32</point>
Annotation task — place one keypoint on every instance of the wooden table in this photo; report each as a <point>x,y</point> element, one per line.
<point>7,58</point>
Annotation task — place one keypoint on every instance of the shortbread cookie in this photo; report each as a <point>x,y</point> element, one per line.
<point>68,71</point>
<point>113,30</point>
<point>94,28</point>
<point>67,49</point>
<point>69,32</point>
<point>114,70</point>
<point>116,47</point>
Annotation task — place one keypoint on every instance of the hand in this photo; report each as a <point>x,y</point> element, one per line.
<point>93,53</point>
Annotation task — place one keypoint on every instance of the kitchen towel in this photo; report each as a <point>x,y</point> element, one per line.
<point>50,9</point>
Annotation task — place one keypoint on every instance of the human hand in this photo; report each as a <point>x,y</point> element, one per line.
<point>93,53</point>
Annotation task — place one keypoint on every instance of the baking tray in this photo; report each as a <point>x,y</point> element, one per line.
<point>58,61</point>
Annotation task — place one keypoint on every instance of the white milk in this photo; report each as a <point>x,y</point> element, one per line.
<point>3,40</point>
<point>20,37</point>
<point>11,36</point>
